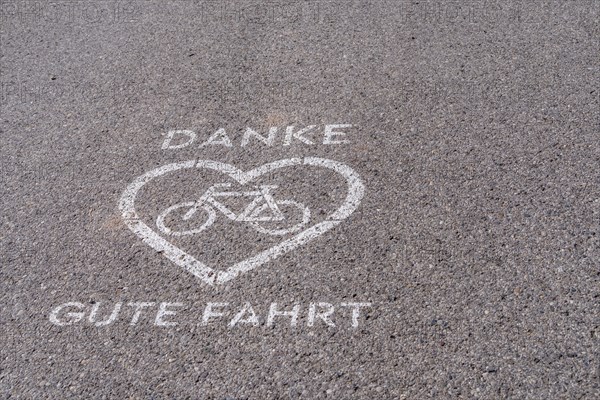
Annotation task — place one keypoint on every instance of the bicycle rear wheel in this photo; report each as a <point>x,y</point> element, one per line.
<point>170,214</point>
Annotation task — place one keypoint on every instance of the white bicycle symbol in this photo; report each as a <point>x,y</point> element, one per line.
<point>263,202</point>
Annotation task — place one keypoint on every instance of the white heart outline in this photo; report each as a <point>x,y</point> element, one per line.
<point>208,275</point>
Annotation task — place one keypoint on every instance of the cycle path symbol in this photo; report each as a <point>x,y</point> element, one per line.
<point>263,207</point>
<point>263,201</point>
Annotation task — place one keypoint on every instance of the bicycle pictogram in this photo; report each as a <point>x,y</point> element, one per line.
<point>262,208</point>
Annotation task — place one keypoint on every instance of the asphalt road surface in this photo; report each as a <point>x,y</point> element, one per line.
<point>300,200</point>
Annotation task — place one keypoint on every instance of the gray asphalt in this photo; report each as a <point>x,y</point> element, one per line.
<point>474,251</point>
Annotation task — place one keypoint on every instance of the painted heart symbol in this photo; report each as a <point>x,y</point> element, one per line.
<point>199,269</point>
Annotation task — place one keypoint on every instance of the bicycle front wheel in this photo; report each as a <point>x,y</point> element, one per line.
<point>292,211</point>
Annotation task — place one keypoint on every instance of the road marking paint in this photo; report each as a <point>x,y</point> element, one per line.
<point>163,312</point>
<point>290,134</point>
<point>251,319</point>
<point>243,314</point>
<point>355,311</point>
<point>330,134</point>
<point>324,315</point>
<point>209,275</point>
<point>274,312</point>
<point>252,133</point>
<point>107,321</point>
<point>139,307</point>
<point>209,312</point>
<point>218,138</point>
<point>72,316</point>
<point>181,138</point>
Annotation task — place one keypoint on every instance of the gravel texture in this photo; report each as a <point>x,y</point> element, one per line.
<point>475,131</point>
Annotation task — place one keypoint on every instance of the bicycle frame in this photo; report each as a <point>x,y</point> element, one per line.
<point>250,212</point>
<point>262,199</point>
